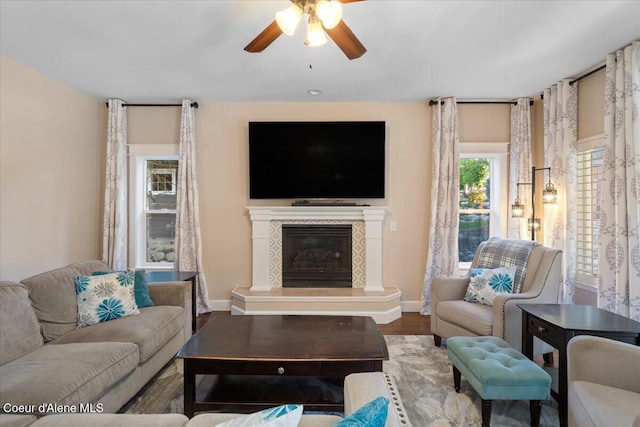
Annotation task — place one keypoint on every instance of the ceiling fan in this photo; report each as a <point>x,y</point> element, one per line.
<point>324,16</point>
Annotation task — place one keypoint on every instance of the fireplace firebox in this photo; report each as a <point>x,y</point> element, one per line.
<point>316,256</point>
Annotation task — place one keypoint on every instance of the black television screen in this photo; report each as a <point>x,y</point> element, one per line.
<point>316,160</point>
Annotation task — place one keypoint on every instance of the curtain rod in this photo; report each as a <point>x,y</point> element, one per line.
<point>584,76</point>
<point>432,102</point>
<point>193,104</point>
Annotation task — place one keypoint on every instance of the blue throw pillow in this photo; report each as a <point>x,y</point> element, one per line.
<point>105,297</point>
<point>140,288</point>
<point>372,414</point>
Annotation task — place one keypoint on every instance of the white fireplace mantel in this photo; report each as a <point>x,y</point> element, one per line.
<point>262,216</point>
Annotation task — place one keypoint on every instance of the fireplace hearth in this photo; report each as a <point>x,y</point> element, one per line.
<point>316,256</point>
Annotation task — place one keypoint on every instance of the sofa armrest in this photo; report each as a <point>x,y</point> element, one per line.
<point>604,361</point>
<point>174,293</point>
<point>363,387</point>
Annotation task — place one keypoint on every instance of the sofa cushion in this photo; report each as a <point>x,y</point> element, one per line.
<point>150,330</point>
<point>19,328</point>
<point>593,404</point>
<point>110,420</point>
<point>307,420</point>
<point>53,297</point>
<point>66,374</point>
<point>105,297</point>
<point>477,318</point>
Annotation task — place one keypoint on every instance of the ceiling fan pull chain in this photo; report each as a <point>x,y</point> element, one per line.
<point>310,64</point>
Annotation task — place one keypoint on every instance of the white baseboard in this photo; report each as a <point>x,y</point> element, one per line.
<point>411,306</point>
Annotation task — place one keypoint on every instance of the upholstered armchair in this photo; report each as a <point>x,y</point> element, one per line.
<point>603,382</point>
<point>540,281</point>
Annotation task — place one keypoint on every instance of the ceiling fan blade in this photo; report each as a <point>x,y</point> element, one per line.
<point>264,39</point>
<point>349,1</point>
<point>342,35</point>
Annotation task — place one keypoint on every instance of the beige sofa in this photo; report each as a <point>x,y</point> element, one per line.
<point>44,359</point>
<point>359,389</point>
<point>604,382</point>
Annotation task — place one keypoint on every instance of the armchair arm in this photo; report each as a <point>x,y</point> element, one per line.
<point>604,361</point>
<point>174,293</point>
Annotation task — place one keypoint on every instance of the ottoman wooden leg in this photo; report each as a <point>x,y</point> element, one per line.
<point>486,413</point>
<point>437,340</point>
<point>456,378</point>
<point>535,407</point>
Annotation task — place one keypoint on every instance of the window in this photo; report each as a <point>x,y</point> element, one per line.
<point>482,198</point>
<point>153,210</point>
<point>589,178</point>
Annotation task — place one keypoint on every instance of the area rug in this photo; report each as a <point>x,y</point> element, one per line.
<point>421,371</point>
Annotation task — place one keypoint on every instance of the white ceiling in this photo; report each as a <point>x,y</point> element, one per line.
<point>168,50</point>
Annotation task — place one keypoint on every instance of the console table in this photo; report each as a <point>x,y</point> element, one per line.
<point>556,324</point>
<point>177,276</point>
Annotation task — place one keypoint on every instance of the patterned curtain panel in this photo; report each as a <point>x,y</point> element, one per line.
<point>520,166</point>
<point>560,154</point>
<point>188,238</point>
<point>442,256</point>
<point>619,256</point>
<point>114,231</point>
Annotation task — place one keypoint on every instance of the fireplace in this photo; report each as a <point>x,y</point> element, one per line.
<point>316,256</point>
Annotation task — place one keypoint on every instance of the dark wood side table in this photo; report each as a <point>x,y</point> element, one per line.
<point>556,324</point>
<point>177,276</point>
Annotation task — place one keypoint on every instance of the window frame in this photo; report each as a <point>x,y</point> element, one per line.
<point>498,155</point>
<point>139,154</point>
<point>586,281</point>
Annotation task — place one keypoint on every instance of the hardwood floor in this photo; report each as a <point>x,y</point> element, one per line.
<point>408,324</point>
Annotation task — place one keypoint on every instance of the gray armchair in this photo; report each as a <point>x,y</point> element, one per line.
<point>603,382</point>
<point>452,316</point>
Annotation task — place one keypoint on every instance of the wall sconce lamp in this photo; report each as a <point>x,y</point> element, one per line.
<point>549,196</point>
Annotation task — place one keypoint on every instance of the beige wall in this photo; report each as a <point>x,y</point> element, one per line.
<point>52,196</point>
<point>50,168</point>
<point>222,133</point>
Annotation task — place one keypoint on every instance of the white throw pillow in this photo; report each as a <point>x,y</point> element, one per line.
<point>485,284</point>
<point>280,416</point>
<point>105,297</point>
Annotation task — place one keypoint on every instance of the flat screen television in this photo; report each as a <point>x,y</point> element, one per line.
<point>317,160</point>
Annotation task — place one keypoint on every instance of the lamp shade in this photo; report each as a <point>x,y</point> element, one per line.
<point>550,194</point>
<point>329,12</point>
<point>517,209</point>
<point>288,19</point>
<point>315,33</point>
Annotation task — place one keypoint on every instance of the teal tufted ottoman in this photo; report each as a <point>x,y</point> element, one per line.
<point>498,372</point>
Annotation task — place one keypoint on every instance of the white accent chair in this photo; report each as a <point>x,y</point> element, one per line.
<point>604,382</point>
<point>452,316</point>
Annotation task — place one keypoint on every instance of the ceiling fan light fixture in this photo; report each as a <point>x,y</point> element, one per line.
<point>329,12</point>
<point>288,19</point>
<point>315,33</point>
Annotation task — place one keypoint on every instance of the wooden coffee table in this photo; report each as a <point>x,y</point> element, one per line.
<point>250,363</point>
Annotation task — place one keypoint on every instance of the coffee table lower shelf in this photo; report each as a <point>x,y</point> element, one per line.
<point>251,393</point>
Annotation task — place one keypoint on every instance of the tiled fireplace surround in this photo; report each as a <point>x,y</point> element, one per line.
<point>367,296</point>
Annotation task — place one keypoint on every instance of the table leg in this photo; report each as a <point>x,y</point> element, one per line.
<point>527,338</point>
<point>562,383</point>
<point>194,310</point>
<point>189,388</point>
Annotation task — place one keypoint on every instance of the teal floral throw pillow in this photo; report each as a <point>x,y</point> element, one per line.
<point>485,284</point>
<point>105,297</point>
